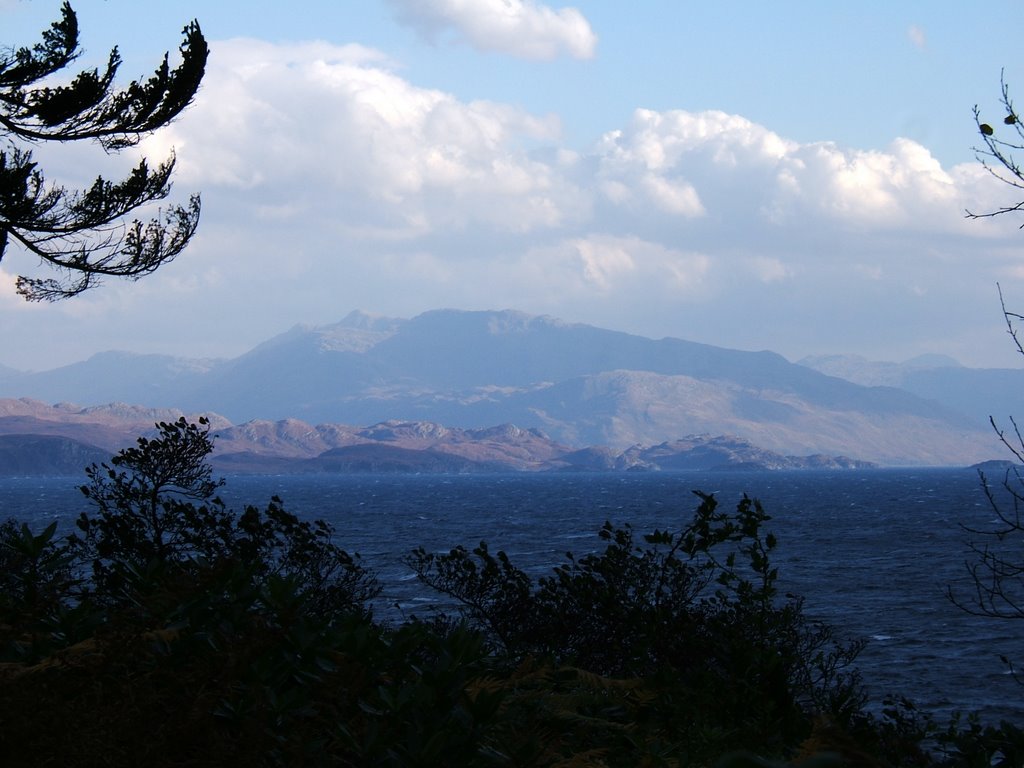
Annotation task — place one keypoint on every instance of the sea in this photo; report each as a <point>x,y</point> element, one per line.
<point>872,552</point>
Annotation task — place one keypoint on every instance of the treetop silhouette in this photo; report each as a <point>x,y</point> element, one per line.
<point>84,235</point>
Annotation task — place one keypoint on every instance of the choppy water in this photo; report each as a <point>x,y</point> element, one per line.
<point>872,552</point>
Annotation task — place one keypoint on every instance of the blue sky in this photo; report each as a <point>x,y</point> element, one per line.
<point>788,176</point>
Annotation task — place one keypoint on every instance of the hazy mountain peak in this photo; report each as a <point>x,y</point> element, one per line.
<point>297,331</point>
<point>931,360</point>
<point>140,414</point>
<point>495,322</point>
<point>395,429</point>
<point>169,362</point>
<point>874,373</point>
<point>367,321</point>
<point>23,406</point>
<point>358,331</point>
<point>512,321</point>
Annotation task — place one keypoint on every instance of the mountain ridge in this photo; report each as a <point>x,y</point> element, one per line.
<point>980,393</point>
<point>59,440</point>
<point>580,384</point>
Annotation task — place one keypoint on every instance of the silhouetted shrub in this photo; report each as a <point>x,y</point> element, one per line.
<point>694,611</point>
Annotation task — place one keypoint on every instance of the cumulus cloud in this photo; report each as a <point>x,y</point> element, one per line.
<point>716,164</point>
<point>521,28</point>
<point>320,128</point>
<point>331,182</point>
<point>672,196</point>
<point>903,186</point>
<point>331,137</point>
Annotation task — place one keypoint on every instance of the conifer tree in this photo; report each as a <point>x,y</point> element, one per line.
<point>85,235</point>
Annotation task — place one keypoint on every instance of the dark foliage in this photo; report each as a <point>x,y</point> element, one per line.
<point>159,527</point>
<point>36,579</point>
<point>83,234</point>
<point>694,610</point>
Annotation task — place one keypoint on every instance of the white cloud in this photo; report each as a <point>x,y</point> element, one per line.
<point>712,164</point>
<point>329,138</point>
<point>318,128</point>
<point>331,182</point>
<point>521,28</point>
<point>604,265</point>
<point>672,196</point>
<point>904,186</point>
<point>660,140</point>
<point>917,36</point>
<point>603,262</point>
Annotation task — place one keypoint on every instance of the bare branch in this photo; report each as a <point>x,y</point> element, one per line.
<point>997,155</point>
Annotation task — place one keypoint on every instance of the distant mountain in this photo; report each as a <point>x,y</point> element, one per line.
<point>111,377</point>
<point>703,452</point>
<point>874,373</point>
<point>32,455</point>
<point>580,385</point>
<point>978,393</point>
<point>327,447</point>
<point>55,441</point>
<point>107,427</point>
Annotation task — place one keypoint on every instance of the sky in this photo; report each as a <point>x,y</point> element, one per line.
<point>789,176</point>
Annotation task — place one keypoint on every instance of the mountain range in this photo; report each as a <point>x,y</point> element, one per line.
<point>575,385</point>
<point>980,393</point>
<point>39,439</point>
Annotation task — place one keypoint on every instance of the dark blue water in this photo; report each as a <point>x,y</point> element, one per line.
<point>872,552</point>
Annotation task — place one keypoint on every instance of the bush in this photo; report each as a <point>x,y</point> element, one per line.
<point>695,613</point>
<point>165,613</point>
<point>159,527</point>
